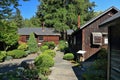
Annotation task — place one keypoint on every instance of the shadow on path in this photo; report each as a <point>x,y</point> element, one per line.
<point>78,72</point>
<point>8,67</point>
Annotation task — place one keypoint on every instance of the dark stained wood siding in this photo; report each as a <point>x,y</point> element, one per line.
<point>22,38</point>
<point>114,39</point>
<point>86,33</point>
<point>54,38</point>
<point>51,38</point>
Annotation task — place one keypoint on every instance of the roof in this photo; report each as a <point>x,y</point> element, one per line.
<point>69,32</point>
<point>37,31</point>
<point>99,16</point>
<point>114,17</point>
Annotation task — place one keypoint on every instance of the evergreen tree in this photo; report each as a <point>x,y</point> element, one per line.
<point>63,14</point>
<point>8,34</point>
<point>18,18</point>
<point>32,43</point>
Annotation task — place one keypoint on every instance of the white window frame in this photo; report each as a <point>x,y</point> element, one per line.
<point>96,34</point>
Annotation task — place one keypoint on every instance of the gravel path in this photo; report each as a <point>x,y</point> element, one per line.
<point>13,64</point>
<point>62,69</point>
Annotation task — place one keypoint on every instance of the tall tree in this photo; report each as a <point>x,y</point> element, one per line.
<point>62,14</point>
<point>8,34</point>
<point>8,28</point>
<point>18,18</point>
<point>32,22</point>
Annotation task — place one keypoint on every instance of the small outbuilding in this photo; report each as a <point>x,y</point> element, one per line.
<point>41,34</point>
<point>90,37</point>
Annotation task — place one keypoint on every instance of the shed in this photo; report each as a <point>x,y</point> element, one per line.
<point>41,35</point>
<point>90,37</point>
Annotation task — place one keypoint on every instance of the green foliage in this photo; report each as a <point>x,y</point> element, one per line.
<point>43,77</point>
<point>8,33</point>
<point>44,71</point>
<point>62,45</point>
<point>32,22</point>
<point>43,48</point>
<point>23,46</point>
<point>63,14</point>
<point>32,44</point>
<point>44,60</point>
<point>51,45</point>
<point>98,71</point>
<point>18,18</point>
<point>2,55</point>
<point>68,56</point>
<point>49,52</point>
<point>7,58</point>
<point>16,53</point>
<point>20,74</point>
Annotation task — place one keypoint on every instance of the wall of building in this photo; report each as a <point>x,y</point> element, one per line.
<point>87,32</point>
<point>23,38</point>
<point>114,40</point>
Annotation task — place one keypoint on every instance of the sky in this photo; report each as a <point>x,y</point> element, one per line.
<point>28,9</point>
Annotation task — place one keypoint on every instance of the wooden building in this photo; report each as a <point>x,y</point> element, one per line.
<point>113,25</point>
<point>41,35</point>
<point>89,38</point>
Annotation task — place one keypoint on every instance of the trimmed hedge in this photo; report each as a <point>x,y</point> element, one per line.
<point>2,55</point>
<point>68,56</point>
<point>51,45</point>
<point>62,45</point>
<point>17,53</point>
<point>23,46</point>
<point>44,60</point>
<point>43,48</point>
<point>50,52</point>
<point>43,63</point>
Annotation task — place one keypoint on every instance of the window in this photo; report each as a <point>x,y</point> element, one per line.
<point>40,38</point>
<point>97,38</point>
<point>105,40</point>
<point>74,40</point>
<point>27,38</point>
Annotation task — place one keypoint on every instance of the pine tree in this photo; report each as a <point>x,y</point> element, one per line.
<point>63,14</point>
<point>32,43</point>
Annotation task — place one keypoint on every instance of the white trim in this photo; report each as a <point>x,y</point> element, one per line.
<point>81,52</point>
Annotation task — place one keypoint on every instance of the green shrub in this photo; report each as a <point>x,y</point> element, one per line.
<point>2,55</point>
<point>44,60</point>
<point>16,53</point>
<point>7,58</point>
<point>62,45</point>
<point>44,71</point>
<point>49,52</point>
<point>43,48</point>
<point>32,44</point>
<point>68,56</point>
<point>51,45</point>
<point>42,77</point>
<point>23,46</point>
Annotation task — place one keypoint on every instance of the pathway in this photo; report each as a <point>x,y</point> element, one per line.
<point>12,64</point>
<point>62,69</point>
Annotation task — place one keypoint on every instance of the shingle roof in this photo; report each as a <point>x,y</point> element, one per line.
<point>69,32</point>
<point>37,31</point>
<point>116,16</point>
<point>99,16</point>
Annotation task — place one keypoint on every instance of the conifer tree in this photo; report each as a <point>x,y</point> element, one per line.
<point>32,43</point>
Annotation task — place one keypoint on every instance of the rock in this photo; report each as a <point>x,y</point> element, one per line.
<point>28,64</point>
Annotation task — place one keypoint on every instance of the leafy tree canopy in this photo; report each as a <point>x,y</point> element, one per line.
<point>63,14</point>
